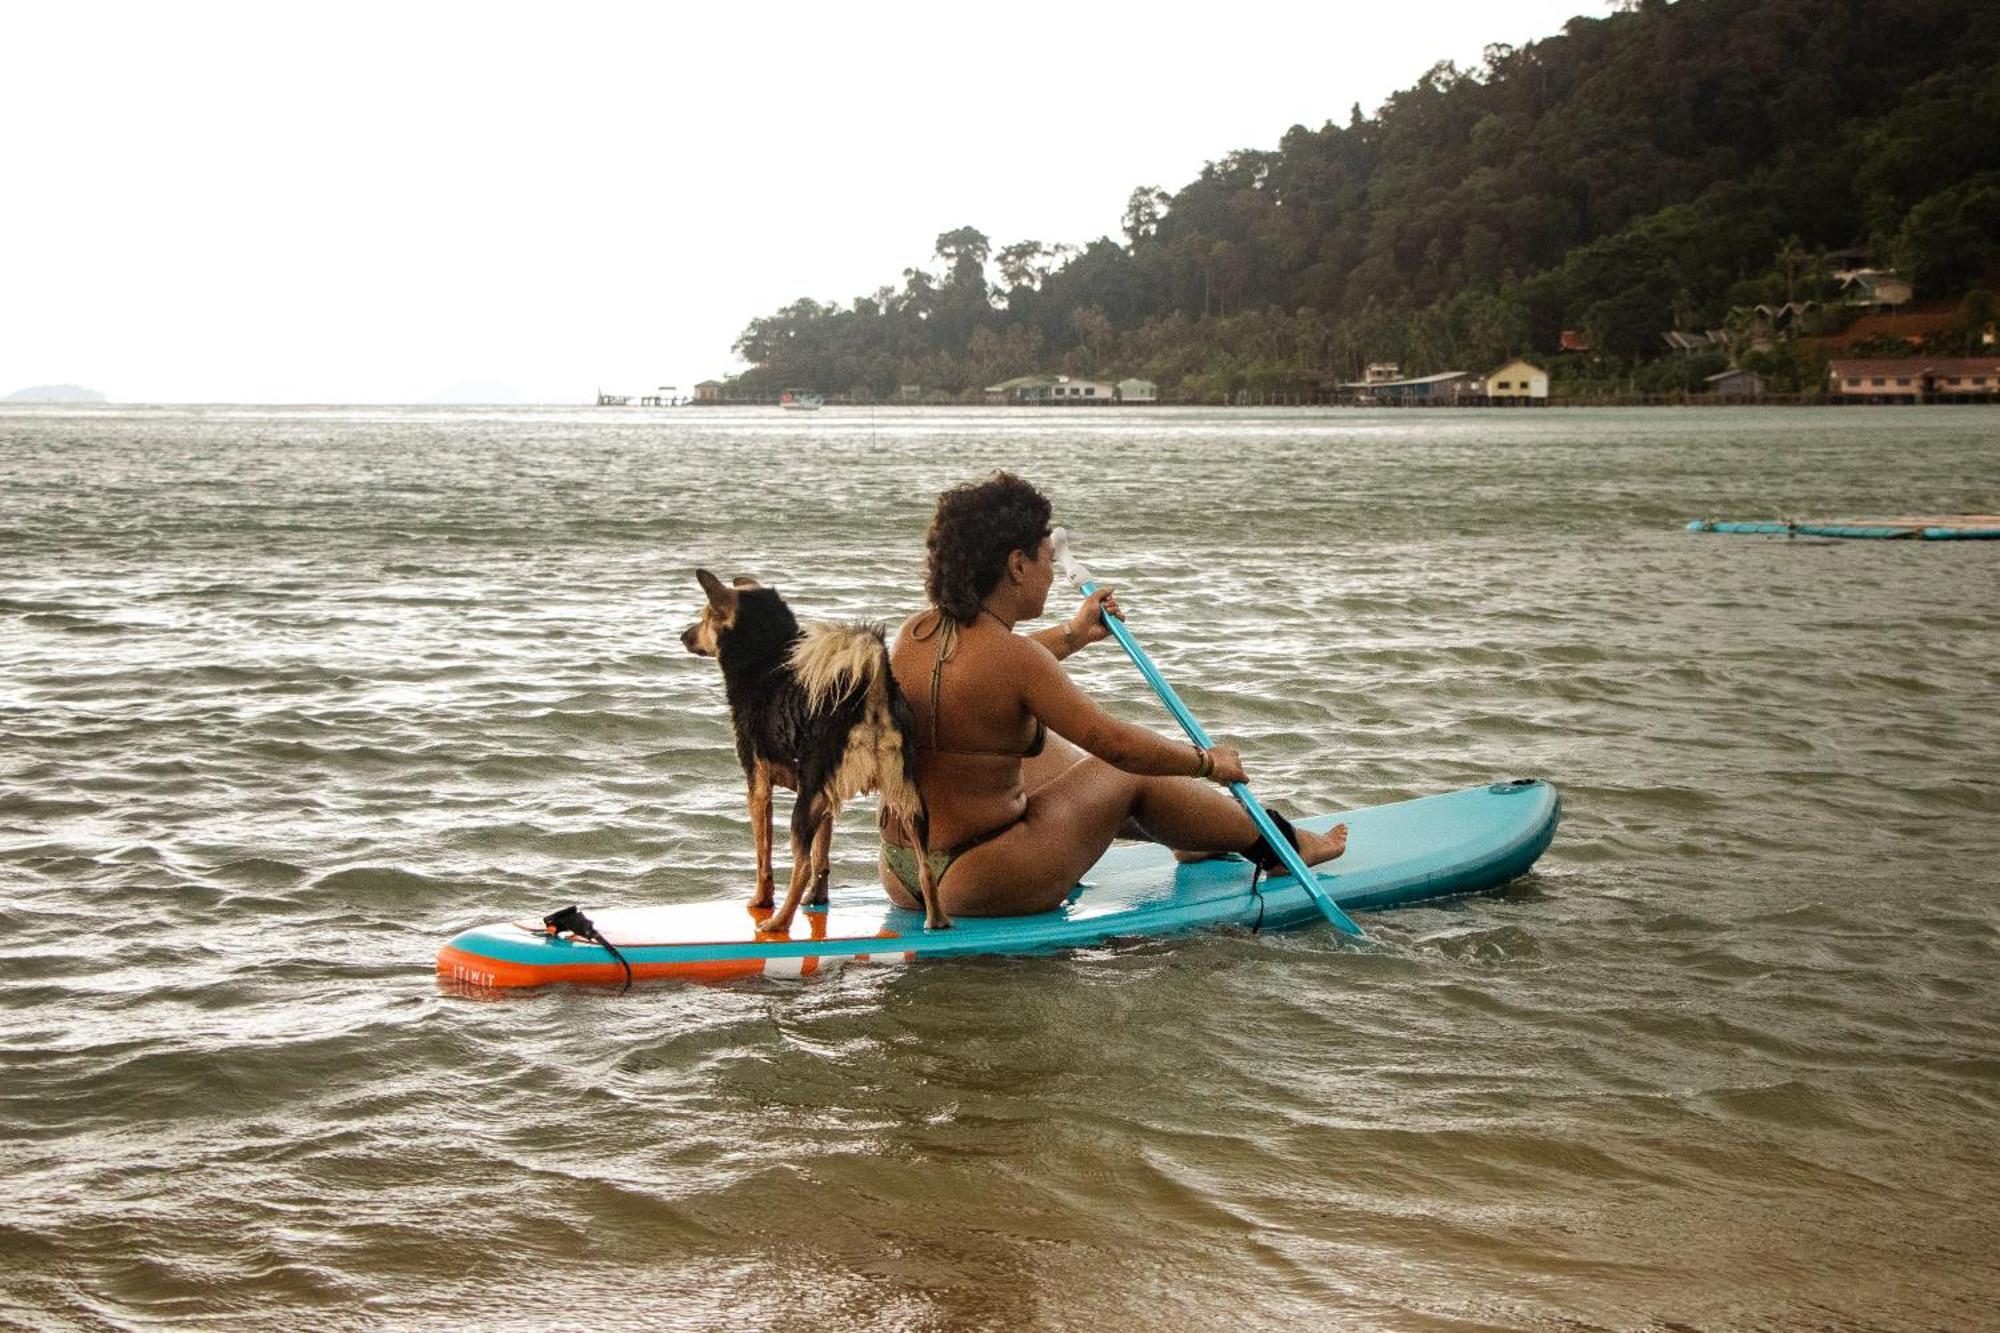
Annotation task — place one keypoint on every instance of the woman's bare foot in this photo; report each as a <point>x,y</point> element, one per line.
<point>1318,847</point>
<point>1314,847</point>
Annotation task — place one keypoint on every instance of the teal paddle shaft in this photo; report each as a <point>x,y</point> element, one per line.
<point>1084,583</point>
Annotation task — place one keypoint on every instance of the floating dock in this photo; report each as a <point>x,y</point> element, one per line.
<point>1904,527</point>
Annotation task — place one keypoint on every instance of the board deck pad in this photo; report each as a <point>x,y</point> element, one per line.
<point>1407,852</point>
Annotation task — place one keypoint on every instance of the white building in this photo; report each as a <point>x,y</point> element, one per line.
<point>1874,287</point>
<point>1518,379</point>
<point>1052,389</point>
<point>1138,391</point>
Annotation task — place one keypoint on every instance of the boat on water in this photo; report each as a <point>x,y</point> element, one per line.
<point>794,401</point>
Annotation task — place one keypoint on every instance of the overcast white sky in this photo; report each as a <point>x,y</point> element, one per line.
<point>295,202</point>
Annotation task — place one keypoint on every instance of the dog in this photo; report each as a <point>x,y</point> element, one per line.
<point>816,711</point>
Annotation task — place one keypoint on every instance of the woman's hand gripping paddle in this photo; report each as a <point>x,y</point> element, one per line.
<point>1080,578</point>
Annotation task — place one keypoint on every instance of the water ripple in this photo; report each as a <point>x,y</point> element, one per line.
<point>291,694</point>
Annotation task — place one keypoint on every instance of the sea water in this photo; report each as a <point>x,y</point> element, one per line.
<point>290,695</point>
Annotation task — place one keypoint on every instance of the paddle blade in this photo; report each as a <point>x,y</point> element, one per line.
<point>1073,571</point>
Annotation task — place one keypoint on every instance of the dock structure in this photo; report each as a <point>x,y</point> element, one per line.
<point>660,397</point>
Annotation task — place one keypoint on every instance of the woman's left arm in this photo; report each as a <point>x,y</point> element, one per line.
<point>1082,629</point>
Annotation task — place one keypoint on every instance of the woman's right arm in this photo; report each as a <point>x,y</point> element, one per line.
<point>1052,696</point>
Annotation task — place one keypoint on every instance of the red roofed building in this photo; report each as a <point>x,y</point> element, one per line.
<point>1915,379</point>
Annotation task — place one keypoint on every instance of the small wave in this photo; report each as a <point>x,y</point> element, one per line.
<point>361,758</point>
<point>1484,944</point>
<point>259,872</point>
<point>56,861</point>
<point>46,807</point>
<point>593,844</point>
<point>24,605</point>
<point>383,885</point>
<point>519,767</point>
<point>1790,1102</point>
<point>71,624</point>
<point>604,724</point>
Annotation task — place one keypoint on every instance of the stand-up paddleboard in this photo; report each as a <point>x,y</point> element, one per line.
<point>1409,852</point>
<point>1904,527</point>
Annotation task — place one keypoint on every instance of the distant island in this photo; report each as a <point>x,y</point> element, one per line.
<point>1642,203</point>
<point>55,393</point>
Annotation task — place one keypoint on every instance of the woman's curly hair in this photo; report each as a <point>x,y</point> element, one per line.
<point>977,526</point>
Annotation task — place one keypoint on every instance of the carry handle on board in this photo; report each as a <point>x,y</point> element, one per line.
<point>1081,579</point>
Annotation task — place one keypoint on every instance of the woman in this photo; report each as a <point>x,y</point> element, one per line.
<point>1027,780</point>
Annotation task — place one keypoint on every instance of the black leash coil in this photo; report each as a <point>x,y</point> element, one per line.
<point>572,921</point>
<point>1263,859</point>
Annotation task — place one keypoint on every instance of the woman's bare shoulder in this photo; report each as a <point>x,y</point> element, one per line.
<point>918,624</point>
<point>1019,660</point>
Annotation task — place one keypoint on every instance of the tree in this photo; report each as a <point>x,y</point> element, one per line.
<point>919,295</point>
<point>1629,174</point>
<point>965,251</point>
<point>1024,264</point>
<point>1953,237</point>
<point>1143,210</point>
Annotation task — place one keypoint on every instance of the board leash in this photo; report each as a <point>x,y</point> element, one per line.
<point>572,921</point>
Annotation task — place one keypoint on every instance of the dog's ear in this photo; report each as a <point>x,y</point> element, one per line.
<point>721,598</point>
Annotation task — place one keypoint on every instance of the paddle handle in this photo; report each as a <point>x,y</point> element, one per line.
<point>1241,791</point>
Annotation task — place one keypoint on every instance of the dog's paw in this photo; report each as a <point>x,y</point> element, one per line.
<point>773,926</point>
<point>940,922</point>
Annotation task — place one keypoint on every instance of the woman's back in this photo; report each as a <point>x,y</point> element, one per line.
<point>973,728</point>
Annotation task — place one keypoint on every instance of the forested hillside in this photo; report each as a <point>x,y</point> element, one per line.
<point>1647,171</point>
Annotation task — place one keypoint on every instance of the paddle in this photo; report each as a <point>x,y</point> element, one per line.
<point>1080,578</point>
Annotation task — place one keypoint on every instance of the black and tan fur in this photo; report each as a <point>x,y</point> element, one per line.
<point>816,711</point>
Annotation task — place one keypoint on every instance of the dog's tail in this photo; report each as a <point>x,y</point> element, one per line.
<point>839,664</point>
<point>835,662</point>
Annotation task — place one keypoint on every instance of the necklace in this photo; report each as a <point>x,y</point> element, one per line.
<point>987,610</point>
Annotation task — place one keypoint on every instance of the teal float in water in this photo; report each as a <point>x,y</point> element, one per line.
<point>1408,852</point>
<point>1906,527</point>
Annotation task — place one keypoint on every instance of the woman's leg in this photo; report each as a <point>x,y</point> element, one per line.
<point>1071,818</point>
<point>1187,814</point>
<point>1076,805</point>
<point>1074,815</point>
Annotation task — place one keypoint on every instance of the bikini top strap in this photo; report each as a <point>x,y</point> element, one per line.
<point>947,636</point>
<point>946,632</point>
<point>947,642</point>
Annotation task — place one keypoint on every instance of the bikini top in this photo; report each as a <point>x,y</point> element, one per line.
<point>947,644</point>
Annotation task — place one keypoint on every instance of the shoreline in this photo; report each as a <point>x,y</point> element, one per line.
<point>1290,402</point>
<point>1267,403</point>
